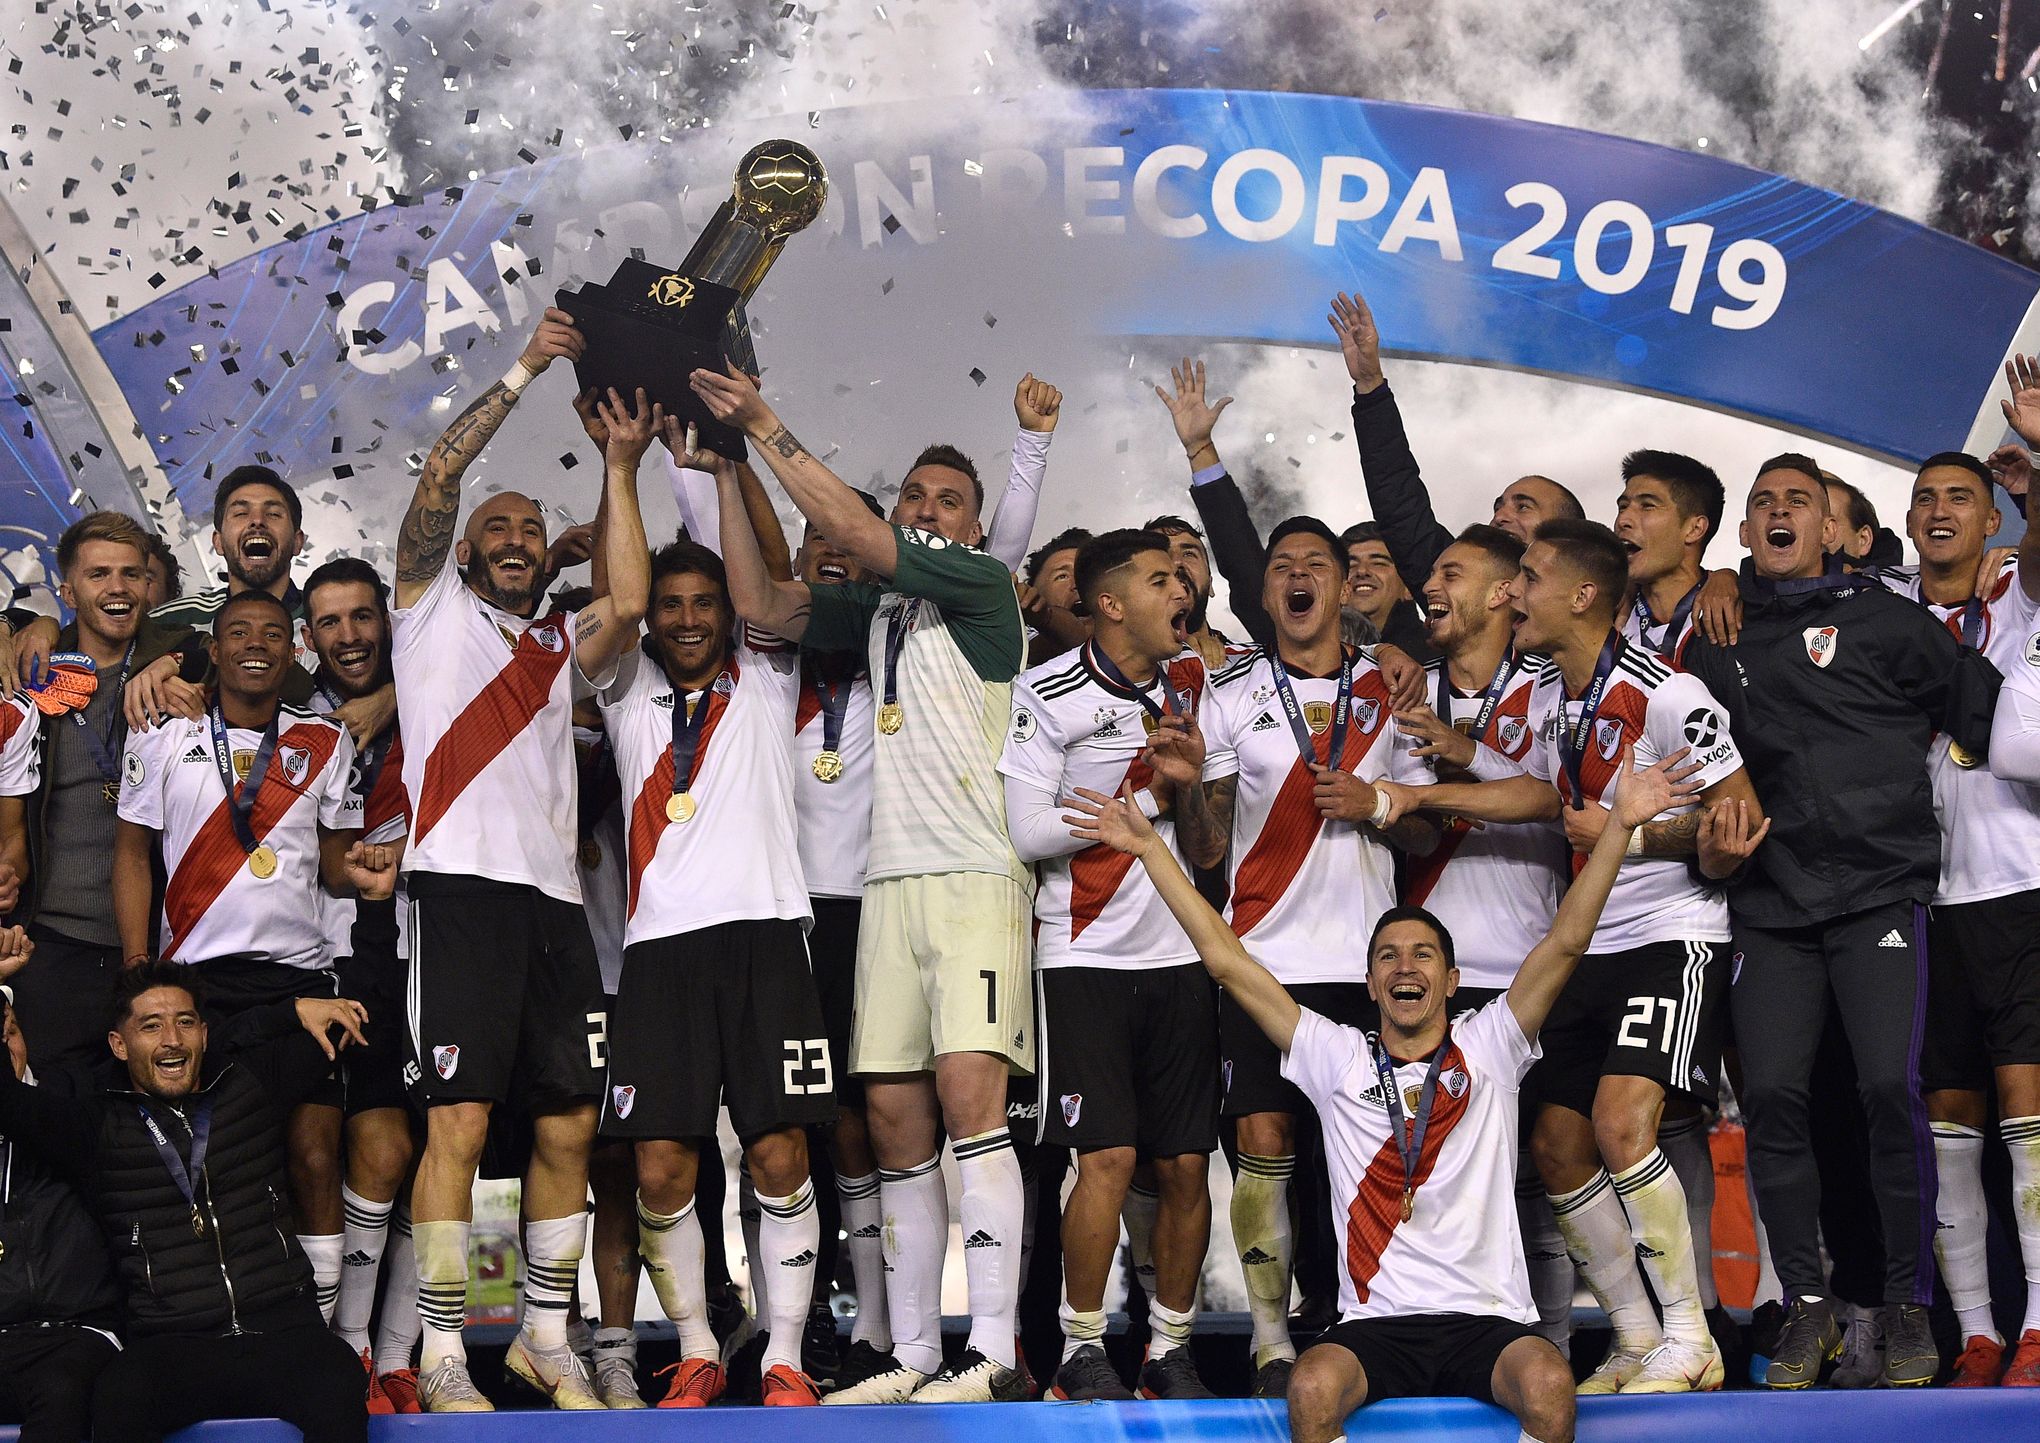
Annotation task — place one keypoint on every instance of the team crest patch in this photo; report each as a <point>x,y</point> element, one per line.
<point>1821,643</point>
<point>724,687</point>
<point>2033,649</point>
<point>1511,732</point>
<point>136,770</point>
<point>1072,1108</point>
<point>1366,714</point>
<point>1024,724</point>
<point>1455,1083</point>
<point>244,763</point>
<point>622,1099</point>
<point>296,762</point>
<point>446,1061</point>
<point>1317,715</point>
<point>1608,738</point>
<point>547,636</point>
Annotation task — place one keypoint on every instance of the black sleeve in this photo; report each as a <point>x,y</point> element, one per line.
<point>1956,686</point>
<point>57,1126</point>
<point>19,618</point>
<point>276,1051</point>
<point>1236,551</point>
<point>1396,494</point>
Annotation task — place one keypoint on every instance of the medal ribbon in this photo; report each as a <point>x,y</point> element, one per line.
<point>896,630</point>
<point>184,1177</point>
<point>241,798</point>
<point>106,748</point>
<point>1972,621</point>
<point>834,697</point>
<point>371,757</point>
<point>1489,699</point>
<point>1572,739</point>
<point>1172,701</point>
<point>687,731</point>
<point>1409,1141</point>
<point>1291,708</point>
<point>1670,635</point>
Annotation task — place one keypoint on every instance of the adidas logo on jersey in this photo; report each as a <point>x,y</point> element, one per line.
<point>869,1230</point>
<point>799,1260</point>
<point>980,1239</point>
<point>1699,1078</point>
<point>357,1259</point>
<point>1891,939</point>
<point>196,754</point>
<point>1646,1253</point>
<point>1263,723</point>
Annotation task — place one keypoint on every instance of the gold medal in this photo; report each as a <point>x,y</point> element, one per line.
<point>680,807</point>
<point>1149,721</point>
<point>828,766</point>
<point>262,861</point>
<point>891,717</point>
<point>591,855</point>
<point>197,1222</point>
<point>1409,1204</point>
<point>1962,756</point>
<point>109,792</point>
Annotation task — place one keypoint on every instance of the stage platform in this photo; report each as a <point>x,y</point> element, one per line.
<point>1990,1415</point>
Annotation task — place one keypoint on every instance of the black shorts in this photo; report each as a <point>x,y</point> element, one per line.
<point>1428,1355</point>
<point>1654,1011</point>
<point>231,986</point>
<point>1983,991</point>
<point>1129,1058</point>
<point>373,1076</point>
<point>721,1015</point>
<point>832,948</point>
<point>504,995</point>
<point>1250,1066</point>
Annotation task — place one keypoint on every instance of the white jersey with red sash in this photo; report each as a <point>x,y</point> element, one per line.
<point>1990,829</point>
<point>486,702</point>
<point>835,814</point>
<point>733,857</point>
<point>1305,891</point>
<point>214,904</point>
<point>20,749</point>
<point>1076,726</point>
<point>1495,887</point>
<point>1460,1250</point>
<point>376,780</point>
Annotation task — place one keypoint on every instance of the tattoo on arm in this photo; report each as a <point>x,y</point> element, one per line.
<point>1204,820</point>
<point>586,627</point>
<point>1673,838</point>
<point>784,443</point>
<point>427,533</point>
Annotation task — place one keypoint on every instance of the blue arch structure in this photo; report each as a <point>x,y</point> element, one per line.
<point>1180,213</point>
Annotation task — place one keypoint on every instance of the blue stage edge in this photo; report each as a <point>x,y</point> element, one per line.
<point>1992,1414</point>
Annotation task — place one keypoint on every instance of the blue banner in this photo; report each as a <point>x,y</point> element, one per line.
<point>1162,214</point>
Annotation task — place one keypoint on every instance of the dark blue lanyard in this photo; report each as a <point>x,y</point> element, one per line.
<point>1172,701</point>
<point>1972,621</point>
<point>241,799</point>
<point>687,732</point>
<point>1489,699</point>
<point>1409,1142</point>
<point>834,699</point>
<point>185,1178</point>
<point>1573,738</point>
<point>896,629</point>
<point>106,748</point>
<point>1299,728</point>
<point>370,757</point>
<point>1673,629</point>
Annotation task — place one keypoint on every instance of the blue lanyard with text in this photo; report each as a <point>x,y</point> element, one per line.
<point>1299,728</point>
<point>1573,738</point>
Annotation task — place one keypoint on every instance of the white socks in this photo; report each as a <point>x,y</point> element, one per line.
<point>1658,1225</point>
<point>1081,1329</point>
<point>916,1235</point>
<point>367,1233</point>
<point>1260,1222</point>
<point>442,1290</point>
<point>1168,1329</point>
<point>1552,1277</point>
<point>1596,1232</point>
<point>994,1215</point>
<point>789,1232</point>
<point>552,1261</point>
<point>864,1224</point>
<point>748,1219</point>
<point>322,1251</point>
<point>1959,1240</point>
<point>396,1336</point>
<point>1685,1144</point>
<point>671,1246</point>
<point>2022,1140</point>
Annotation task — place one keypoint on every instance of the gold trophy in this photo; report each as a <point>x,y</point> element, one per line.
<point>652,326</point>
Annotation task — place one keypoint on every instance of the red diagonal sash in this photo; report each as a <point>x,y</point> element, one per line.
<point>648,820</point>
<point>389,799</point>
<point>489,723</point>
<point>1293,824</point>
<point>1097,871</point>
<point>214,855</point>
<point>1376,1210</point>
<point>1425,872</point>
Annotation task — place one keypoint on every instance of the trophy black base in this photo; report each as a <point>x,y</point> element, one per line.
<point>628,351</point>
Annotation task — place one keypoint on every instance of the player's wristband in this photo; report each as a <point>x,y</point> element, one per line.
<point>1635,847</point>
<point>518,377</point>
<point>1381,809</point>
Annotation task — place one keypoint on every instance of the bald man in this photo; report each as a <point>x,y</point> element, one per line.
<point>505,993</point>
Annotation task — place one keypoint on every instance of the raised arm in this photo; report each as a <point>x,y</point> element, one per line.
<point>609,623</point>
<point>1396,494</point>
<point>1642,795</point>
<point>2022,414</point>
<point>428,530</point>
<point>780,607</point>
<point>1038,406</point>
<point>1236,548</point>
<point>820,493</point>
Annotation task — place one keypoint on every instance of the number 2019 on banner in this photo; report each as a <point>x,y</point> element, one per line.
<point>1615,221</point>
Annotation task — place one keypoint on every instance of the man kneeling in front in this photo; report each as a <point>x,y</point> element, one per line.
<point>1420,1132</point>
